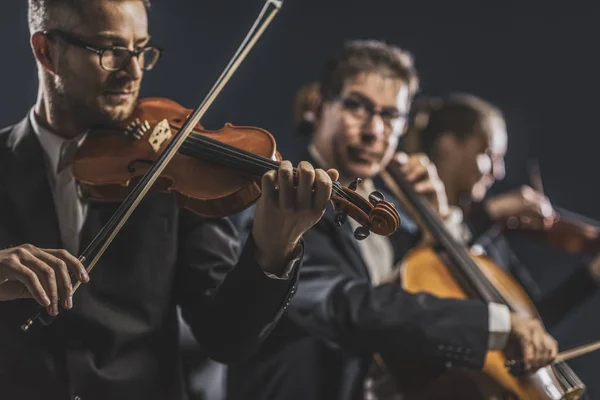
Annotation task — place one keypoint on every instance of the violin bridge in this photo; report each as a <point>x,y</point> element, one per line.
<point>161,132</point>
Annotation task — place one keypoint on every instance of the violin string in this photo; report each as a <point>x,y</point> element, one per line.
<point>264,168</point>
<point>200,142</point>
<point>260,161</point>
<point>243,163</point>
<point>247,157</point>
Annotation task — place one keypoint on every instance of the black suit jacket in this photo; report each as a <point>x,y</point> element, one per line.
<point>323,347</point>
<point>120,340</point>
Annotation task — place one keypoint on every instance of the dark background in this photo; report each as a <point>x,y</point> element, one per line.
<point>538,65</point>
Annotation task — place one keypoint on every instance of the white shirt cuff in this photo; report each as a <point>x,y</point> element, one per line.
<point>499,326</point>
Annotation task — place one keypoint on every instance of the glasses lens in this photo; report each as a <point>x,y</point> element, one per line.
<point>149,58</point>
<point>114,58</point>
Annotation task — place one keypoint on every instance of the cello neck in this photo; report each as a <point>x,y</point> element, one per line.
<point>461,264</point>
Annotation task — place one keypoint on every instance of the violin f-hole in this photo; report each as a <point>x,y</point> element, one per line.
<point>131,167</point>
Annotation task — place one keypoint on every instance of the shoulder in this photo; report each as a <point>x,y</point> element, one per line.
<point>4,137</point>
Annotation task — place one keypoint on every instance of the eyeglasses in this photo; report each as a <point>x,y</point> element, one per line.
<point>363,110</point>
<point>112,58</point>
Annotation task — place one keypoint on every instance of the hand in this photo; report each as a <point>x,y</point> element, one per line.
<point>284,213</point>
<point>422,174</point>
<point>530,343</point>
<point>530,209</point>
<point>43,274</point>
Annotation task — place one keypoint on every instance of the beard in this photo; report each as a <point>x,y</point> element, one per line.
<point>90,108</point>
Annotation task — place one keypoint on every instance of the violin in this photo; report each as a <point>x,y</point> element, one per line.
<point>214,174</point>
<point>449,270</point>
<point>569,232</point>
<point>162,146</point>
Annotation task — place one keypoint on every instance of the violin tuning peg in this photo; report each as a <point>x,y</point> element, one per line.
<point>361,233</point>
<point>340,218</point>
<point>136,129</point>
<point>376,197</point>
<point>355,184</point>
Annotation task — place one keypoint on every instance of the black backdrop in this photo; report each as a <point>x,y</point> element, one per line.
<point>538,65</point>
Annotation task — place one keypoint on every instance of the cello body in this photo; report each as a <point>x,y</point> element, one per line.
<point>425,270</point>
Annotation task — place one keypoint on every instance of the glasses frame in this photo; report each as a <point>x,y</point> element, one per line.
<point>100,51</point>
<point>371,111</point>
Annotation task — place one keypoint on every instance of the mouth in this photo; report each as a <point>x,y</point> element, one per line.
<point>120,95</point>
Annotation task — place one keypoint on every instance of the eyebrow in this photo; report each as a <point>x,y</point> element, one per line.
<point>365,98</point>
<point>107,35</point>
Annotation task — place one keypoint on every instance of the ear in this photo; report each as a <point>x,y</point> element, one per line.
<point>446,142</point>
<point>42,50</point>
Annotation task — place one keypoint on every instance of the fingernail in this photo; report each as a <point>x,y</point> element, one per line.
<point>46,301</point>
<point>69,302</point>
<point>55,310</point>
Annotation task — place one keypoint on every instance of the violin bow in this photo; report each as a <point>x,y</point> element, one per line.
<point>564,355</point>
<point>118,219</point>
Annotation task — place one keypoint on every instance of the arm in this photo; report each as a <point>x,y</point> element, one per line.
<point>348,313</point>
<point>230,304</point>
<point>231,320</point>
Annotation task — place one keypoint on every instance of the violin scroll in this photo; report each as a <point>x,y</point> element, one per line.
<point>376,215</point>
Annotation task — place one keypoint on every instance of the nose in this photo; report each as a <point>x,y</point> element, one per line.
<point>374,127</point>
<point>133,68</point>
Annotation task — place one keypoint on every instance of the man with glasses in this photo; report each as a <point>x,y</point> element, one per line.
<point>346,309</point>
<point>117,337</point>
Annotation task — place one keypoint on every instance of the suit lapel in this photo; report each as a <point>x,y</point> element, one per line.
<point>404,238</point>
<point>24,175</point>
<point>343,236</point>
<point>344,239</point>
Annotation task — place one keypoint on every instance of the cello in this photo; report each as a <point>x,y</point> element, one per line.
<point>449,270</point>
<point>162,146</point>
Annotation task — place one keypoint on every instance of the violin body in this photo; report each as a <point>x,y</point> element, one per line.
<point>214,173</point>
<point>567,234</point>
<point>111,161</point>
<point>425,270</point>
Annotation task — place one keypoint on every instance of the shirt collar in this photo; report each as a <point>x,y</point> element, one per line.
<point>54,146</point>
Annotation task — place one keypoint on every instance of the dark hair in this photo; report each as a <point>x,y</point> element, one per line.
<point>464,115</point>
<point>43,14</point>
<point>306,103</point>
<point>368,56</point>
<point>356,57</point>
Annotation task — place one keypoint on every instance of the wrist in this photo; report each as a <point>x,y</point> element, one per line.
<point>274,258</point>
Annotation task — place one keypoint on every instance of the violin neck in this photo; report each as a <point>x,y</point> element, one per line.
<point>208,149</point>
<point>205,148</point>
<point>460,263</point>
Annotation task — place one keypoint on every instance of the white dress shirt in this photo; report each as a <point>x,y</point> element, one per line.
<point>71,209</point>
<point>377,253</point>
